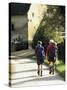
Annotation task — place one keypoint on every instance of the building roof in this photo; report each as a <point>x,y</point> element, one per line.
<point>18,8</point>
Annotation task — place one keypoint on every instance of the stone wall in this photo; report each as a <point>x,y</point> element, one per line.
<point>35,16</point>
<point>20,24</point>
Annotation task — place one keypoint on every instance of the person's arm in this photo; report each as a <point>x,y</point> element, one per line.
<point>47,50</point>
<point>35,51</point>
<point>56,52</point>
<point>43,52</point>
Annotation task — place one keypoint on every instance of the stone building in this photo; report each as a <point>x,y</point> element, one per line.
<point>19,24</point>
<point>35,15</point>
<point>25,20</point>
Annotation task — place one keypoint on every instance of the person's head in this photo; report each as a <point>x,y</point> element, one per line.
<point>51,41</point>
<point>40,42</point>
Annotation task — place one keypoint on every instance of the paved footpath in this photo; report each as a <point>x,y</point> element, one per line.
<point>24,73</point>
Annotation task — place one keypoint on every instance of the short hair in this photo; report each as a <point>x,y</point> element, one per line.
<point>40,42</point>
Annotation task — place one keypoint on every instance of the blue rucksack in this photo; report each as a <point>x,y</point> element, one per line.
<point>40,51</point>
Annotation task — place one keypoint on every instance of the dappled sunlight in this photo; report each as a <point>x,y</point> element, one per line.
<point>25,72</point>
<point>28,29</point>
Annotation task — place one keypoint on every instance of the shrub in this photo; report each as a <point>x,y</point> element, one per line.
<point>61,51</point>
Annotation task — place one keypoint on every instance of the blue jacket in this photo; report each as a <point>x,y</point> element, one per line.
<point>40,51</point>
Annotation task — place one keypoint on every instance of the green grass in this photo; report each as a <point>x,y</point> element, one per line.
<point>59,66</point>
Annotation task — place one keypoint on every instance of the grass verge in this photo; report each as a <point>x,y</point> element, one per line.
<point>59,66</point>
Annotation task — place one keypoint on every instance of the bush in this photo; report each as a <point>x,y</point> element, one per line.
<point>61,51</point>
<point>39,36</point>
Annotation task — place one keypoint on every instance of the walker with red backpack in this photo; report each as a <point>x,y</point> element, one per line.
<point>51,54</point>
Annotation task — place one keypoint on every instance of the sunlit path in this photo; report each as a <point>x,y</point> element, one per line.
<point>25,74</point>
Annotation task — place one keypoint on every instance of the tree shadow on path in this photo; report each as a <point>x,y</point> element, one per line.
<point>48,78</point>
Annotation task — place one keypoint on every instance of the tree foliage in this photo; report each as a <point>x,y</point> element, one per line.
<point>52,25</point>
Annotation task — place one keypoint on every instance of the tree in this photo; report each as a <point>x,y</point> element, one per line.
<point>52,25</point>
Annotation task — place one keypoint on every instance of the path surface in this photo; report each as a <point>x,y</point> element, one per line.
<point>24,73</point>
